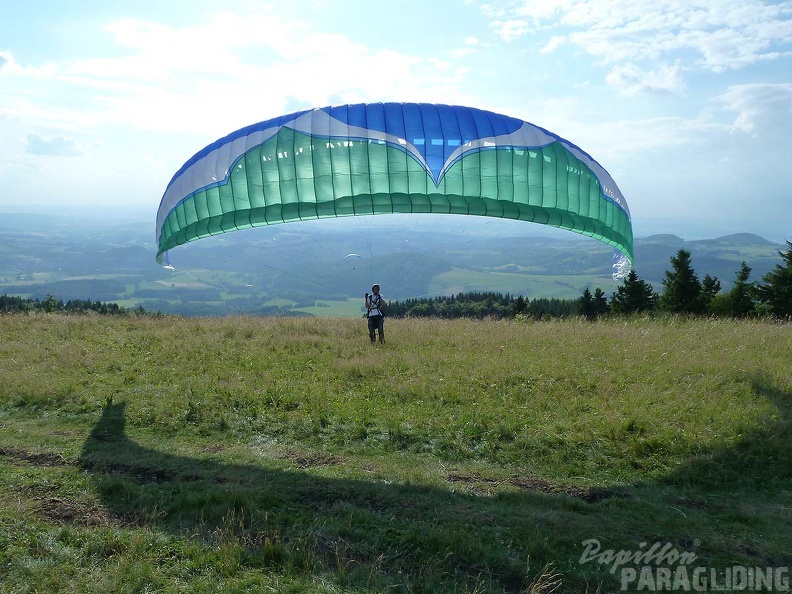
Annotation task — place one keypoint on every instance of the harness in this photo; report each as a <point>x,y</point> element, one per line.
<point>375,302</point>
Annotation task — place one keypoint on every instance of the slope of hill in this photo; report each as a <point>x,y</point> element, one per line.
<point>303,266</point>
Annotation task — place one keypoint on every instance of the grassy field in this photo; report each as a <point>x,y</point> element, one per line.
<point>167,454</point>
<point>530,286</point>
<point>351,308</point>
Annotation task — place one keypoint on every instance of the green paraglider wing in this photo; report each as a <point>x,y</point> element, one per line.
<point>380,158</point>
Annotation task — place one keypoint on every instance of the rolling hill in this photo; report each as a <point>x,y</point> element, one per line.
<point>301,267</point>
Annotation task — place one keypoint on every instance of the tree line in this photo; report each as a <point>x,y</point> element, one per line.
<point>684,293</point>
<point>481,305</point>
<point>11,304</point>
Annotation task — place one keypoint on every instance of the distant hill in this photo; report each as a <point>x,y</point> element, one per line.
<point>662,239</point>
<point>720,257</point>
<point>736,240</point>
<point>301,267</point>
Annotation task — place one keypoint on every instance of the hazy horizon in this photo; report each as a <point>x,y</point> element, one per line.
<point>468,224</point>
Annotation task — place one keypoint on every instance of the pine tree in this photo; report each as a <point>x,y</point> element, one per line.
<point>776,290</point>
<point>519,306</point>
<point>49,304</point>
<point>741,297</point>
<point>585,305</point>
<point>635,295</point>
<point>710,287</point>
<point>682,287</point>
<point>601,306</point>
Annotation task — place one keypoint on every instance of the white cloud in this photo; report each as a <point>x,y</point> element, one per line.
<point>179,79</point>
<point>721,34</point>
<point>555,42</point>
<point>462,52</point>
<point>6,60</point>
<point>630,79</point>
<point>42,112</point>
<point>510,30</point>
<point>755,104</point>
<point>52,146</point>
<point>623,142</point>
<point>492,11</point>
<point>619,141</point>
<point>541,11</point>
<point>471,46</point>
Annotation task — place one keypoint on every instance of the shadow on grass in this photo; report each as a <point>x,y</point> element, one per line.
<point>407,537</point>
<point>759,459</point>
<point>364,532</point>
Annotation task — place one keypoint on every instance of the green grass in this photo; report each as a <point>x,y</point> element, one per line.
<point>241,454</point>
<point>350,308</point>
<point>531,286</point>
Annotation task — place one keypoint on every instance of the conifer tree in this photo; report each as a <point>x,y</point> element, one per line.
<point>682,292</point>
<point>519,306</point>
<point>601,306</point>
<point>776,290</point>
<point>710,287</point>
<point>635,295</point>
<point>741,297</point>
<point>585,305</point>
<point>593,306</point>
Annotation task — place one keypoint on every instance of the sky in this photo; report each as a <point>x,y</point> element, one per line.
<point>686,103</point>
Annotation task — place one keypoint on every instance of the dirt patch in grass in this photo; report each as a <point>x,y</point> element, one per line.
<point>533,483</point>
<point>138,472</point>
<point>310,459</point>
<point>37,459</point>
<point>58,510</point>
<point>55,509</point>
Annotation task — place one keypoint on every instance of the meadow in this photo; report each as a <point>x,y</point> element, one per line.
<point>244,454</point>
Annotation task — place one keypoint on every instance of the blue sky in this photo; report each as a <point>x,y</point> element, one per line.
<point>687,103</point>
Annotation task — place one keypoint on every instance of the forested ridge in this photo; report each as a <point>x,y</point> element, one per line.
<point>683,293</point>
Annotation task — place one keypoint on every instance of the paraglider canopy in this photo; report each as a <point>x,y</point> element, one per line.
<point>381,158</point>
<point>353,260</point>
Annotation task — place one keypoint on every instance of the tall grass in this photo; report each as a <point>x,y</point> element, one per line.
<point>213,455</point>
